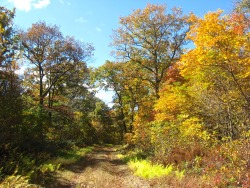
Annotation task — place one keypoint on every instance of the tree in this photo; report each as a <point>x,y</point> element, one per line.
<point>8,40</point>
<point>54,56</point>
<point>56,63</point>
<point>38,43</point>
<point>218,73</point>
<point>10,84</point>
<point>243,6</point>
<point>110,77</point>
<point>152,39</point>
<point>11,107</point>
<point>129,91</point>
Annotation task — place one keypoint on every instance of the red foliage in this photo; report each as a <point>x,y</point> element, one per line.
<point>173,75</point>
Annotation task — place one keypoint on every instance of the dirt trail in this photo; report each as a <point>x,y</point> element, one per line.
<point>100,169</point>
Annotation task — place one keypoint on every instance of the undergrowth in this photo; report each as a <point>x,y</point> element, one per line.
<point>143,167</point>
<point>223,164</point>
<point>17,181</point>
<point>38,170</point>
<point>146,169</point>
<point>67,157</point>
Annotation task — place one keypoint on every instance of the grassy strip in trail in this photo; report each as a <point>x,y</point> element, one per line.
<point>67,157</point>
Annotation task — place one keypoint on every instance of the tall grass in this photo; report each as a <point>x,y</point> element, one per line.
<point>38,169</point>
<point>146,169</point>
<point>142,167</point>
<point>17,181</point>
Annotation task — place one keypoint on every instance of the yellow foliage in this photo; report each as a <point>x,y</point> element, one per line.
<point>173,101</point>
<point>217,44</point>
<point>78,115</point>
<point>191,127</point>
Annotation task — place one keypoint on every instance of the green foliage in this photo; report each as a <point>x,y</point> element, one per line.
<point>133,155</point>
<point>129,91</point>
<point>32,166</point>
<point>11,108</point>
<point>40,168</point>
<point>10,84</point>
<point>71,156</point>
<point>8,41</point>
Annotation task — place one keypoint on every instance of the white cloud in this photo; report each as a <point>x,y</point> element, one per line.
<point>80,20</point>
<point>98,29</point>
<point>27,5</point>
<point>41,4</point>
<point>24,5</point>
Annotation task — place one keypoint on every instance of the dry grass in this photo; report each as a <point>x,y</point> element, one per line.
<point>186,182</point>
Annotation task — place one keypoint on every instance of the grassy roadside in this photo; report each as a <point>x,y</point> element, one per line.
<point>218,168</point>
<point>40,170</point>
<point>144,168</point>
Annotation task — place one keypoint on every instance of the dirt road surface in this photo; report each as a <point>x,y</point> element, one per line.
<point>100,169</point>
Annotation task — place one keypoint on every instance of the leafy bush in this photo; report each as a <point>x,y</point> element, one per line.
<point>228,164</point>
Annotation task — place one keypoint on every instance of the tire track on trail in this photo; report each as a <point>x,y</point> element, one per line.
<point>100,169</point>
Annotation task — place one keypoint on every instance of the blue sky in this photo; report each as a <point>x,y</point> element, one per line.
<point>92,21</point>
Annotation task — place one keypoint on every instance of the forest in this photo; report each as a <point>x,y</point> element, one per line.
<point>181,102</point>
